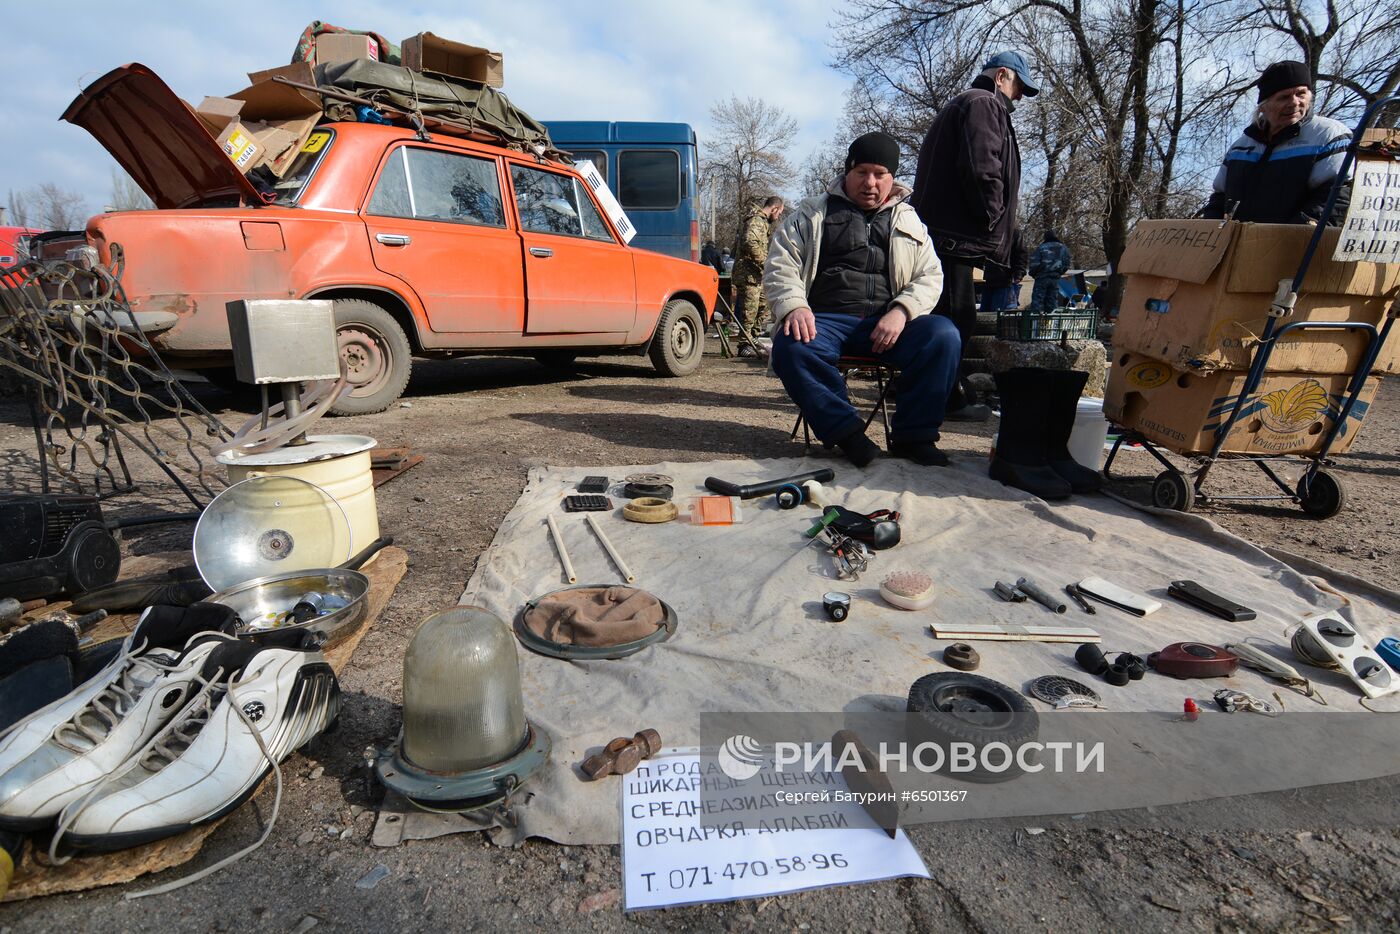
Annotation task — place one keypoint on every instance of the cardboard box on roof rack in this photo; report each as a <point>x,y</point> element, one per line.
<point>1198,293</point>
<point>1181,410</point>
<point>284,115</point>
<point>223,117</point>
<point>429,53</point>
<point>332,47</point>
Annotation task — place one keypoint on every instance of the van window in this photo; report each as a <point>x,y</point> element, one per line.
<point>595,156</point>
<point>649,180</point>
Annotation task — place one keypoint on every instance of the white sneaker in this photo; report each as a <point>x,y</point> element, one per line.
<point>58,753</point>
<point>257,705</point>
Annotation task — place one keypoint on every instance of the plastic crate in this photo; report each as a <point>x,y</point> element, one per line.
<point>1069,323</point>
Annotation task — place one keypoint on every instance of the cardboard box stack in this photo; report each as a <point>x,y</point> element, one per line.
<point>266,123</point>
<point>1197,298</point>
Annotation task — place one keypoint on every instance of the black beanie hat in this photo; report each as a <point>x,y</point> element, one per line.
<point>1282,75</point>
<point>875,148</point>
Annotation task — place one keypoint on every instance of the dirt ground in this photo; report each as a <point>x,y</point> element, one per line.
<point>481,424</point>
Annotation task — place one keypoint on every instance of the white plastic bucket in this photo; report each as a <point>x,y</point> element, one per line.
<point>1090,432</point>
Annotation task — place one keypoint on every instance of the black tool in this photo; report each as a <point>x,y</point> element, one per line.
<point>593,484</point>
<point>1202,599</point>
<point>54,544</point>
<point>765,487</point>
<point>588,502</point>
<point>1085,605</point>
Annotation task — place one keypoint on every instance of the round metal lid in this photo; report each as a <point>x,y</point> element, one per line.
<point>317,448</point>
<point>269,525</point>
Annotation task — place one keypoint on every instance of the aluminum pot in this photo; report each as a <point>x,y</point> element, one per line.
<point>255,599</point>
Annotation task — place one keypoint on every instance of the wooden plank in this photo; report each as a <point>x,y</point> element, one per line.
<point>88,872</point>
<point>991,633</point>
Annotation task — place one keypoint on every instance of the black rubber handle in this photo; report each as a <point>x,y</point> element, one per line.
<point>354,563</point>
<point>764,487</point>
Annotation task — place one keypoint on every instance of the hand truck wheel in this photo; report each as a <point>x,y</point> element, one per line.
<point>1323,496</point>
<point>1171,491</point>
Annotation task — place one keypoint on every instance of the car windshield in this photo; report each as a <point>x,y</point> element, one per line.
<point>294,181</point>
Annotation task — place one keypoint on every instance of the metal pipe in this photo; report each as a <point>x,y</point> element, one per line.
<point>608,547</point>
<point>563,552</point>
<point>1031,589</point>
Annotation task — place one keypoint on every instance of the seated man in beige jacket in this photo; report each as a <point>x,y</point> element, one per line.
<point>853,273</point>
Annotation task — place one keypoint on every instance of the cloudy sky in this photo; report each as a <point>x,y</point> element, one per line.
<point>663,60</point>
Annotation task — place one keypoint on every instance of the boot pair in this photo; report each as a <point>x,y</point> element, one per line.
<point>1038,408</point>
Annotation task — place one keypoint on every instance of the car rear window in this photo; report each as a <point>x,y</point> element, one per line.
<point>294,181</point>
<point>442,186</point>
<point>649,180</point>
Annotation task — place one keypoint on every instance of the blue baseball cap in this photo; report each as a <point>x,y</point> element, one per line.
<point>1017,63</point>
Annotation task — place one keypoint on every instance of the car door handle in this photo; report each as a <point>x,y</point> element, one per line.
<point>394,239</point>
<point>543,252</point>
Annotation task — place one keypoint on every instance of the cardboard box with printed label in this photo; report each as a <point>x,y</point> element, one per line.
<point>332,47</point>
<point>239,140</point>
<point>429,53</point>
<point>1198,294</point>
<point>1181,410</point>
<point>284,115</point>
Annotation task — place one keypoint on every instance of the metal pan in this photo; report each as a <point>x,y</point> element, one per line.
<point>255,599</point>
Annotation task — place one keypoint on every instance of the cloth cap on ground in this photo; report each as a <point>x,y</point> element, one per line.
<point>875,149</point>
<point>1285,74</point>
<point>595,616</point>
<point>1017,63</point>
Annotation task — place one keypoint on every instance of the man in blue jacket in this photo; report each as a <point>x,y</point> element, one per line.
<point>1281,170</point>
<point>1050,262</point>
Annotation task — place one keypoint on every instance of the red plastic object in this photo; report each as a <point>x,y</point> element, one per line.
<point>1190,711</point>
<point>1194,660</point>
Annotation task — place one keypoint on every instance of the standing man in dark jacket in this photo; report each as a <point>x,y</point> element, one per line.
<point>966,189</point>
<point>1050,262</point>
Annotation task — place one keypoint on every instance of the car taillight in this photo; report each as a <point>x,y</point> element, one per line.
<point>694,240</point>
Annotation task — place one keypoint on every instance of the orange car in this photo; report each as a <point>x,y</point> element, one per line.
<point>428,247</point>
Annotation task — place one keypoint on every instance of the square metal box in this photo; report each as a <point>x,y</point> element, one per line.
<point>278,341</point>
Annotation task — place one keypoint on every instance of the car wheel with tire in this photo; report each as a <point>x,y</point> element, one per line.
<point>955,707</point>
<point>679,341</point>
<point>375,355</point>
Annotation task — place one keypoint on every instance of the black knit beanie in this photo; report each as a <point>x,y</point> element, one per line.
<point>875,148</point>
<point>1282,75</point>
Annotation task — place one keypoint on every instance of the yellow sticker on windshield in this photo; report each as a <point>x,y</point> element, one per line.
<point>315,142</point>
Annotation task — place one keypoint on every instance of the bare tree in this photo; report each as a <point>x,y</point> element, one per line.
<point>747,156</point>
<point>126,194</point>
<point>20,211</point>
<point>1352,47</point>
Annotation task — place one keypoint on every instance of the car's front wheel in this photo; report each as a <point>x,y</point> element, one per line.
<point>679,341</point>
<point>375,355</point>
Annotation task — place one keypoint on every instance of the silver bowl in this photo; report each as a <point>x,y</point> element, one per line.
<point>255,599</point>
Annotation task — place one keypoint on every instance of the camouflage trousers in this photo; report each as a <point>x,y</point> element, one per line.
<point>750,306</point>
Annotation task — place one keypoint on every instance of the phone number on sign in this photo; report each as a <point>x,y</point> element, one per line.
<point>692,877</point>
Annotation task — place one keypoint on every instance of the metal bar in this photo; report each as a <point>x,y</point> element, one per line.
<point>608,547</point>
<point>563,552</point>
<point>1269,472</point>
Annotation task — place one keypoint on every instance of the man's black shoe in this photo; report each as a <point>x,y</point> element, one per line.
<point>920,452</point>
<point>859,449</point>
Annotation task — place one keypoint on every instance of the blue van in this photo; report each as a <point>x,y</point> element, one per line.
<point>652,169</point>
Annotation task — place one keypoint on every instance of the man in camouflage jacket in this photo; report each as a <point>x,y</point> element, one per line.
<point>747,276</point>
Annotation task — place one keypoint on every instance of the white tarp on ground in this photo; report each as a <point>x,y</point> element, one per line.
<point>753,637</point>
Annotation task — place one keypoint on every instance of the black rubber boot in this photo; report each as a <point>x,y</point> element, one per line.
<point>859,449</point>
<point>1022,442</point>
<point>1061,407</point>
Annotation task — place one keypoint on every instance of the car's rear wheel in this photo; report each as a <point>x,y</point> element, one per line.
<point>375,355</point>
<point>679,341</point>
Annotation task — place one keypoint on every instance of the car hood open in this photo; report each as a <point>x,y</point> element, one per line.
<point>158,140</point>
